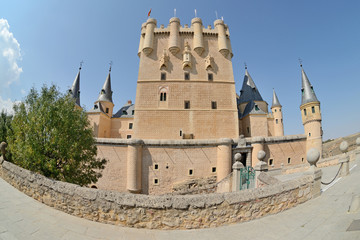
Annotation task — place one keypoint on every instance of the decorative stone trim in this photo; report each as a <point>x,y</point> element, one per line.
<point>159,212</point>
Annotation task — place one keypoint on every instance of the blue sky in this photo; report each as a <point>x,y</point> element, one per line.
<point>44,42</point>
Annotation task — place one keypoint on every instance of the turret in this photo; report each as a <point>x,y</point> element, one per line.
<point>148,45</point>
<point>222,39</point>
<point>105,97</point>
<point>310,114</point>
<point>75,89</point>
<point>278,117</point>
<point>174,35</point>
<point>198,42</point>
<point>142,37</point>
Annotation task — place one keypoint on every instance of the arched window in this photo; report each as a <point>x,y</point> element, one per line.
<point>163,94</point>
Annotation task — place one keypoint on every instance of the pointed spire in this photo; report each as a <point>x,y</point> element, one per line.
<point>307,91</point>
<point>106,93</point>
<point>249,91</point>
<point>275,100</point>
<point>75,89</point>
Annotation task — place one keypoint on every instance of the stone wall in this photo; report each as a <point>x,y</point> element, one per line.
<point>159,212</point>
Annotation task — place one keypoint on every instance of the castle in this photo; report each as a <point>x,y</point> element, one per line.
<point>187,117</point>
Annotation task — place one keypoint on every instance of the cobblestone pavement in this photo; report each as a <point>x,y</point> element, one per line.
<point>325,217</point>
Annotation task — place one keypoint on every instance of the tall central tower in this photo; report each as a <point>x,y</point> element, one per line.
<point>185,85</point>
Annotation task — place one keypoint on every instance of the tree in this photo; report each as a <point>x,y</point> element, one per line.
<point>52,137</point>
<point>5,129</point>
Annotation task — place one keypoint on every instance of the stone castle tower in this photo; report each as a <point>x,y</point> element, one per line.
<point>276,109</point>
<point>310,114</point>
<point>185,85</point>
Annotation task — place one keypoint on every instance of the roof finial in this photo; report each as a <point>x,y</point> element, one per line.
<point>300,61</point>
<point>245,65</point>
<point>111,62</point>
<point>222,18</point>
<point>174,12</point>
<point>195,13</point>
<point>81,63</point>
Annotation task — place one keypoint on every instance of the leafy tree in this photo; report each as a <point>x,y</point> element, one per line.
<point>52,137</point>
<point>5,129</point>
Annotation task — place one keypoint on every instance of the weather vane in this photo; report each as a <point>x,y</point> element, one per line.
<point>111,63</point>
<point>81,63</point>
<point>245,65</point>
<point>300,61</point>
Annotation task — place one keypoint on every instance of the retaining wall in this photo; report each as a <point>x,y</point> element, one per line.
<point>159,212</point>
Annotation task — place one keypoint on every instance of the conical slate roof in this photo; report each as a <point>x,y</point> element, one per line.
<point>75,89</point>
<point>275,100</point>
<point>249,91</point>
<point>307,91</point>
<point>106,93</point>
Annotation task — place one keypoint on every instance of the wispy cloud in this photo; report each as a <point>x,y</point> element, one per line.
<point>10,54</point>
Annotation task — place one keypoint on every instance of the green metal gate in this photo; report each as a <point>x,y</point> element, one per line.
<point>247,178</point>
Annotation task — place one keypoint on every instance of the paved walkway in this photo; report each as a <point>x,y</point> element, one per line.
<point>325,217</point>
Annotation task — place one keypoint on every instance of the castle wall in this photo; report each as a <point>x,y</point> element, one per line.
<point>120,127</point>
<point>270,124</point>
<point>258,125</point>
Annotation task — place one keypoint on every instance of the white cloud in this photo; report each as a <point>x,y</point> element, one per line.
<point>7,105</point>
<point>10,54</point>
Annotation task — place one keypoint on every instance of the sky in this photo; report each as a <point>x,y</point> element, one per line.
<point>43,42</point>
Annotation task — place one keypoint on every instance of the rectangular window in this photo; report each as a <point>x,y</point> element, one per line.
<point>191,172</point>
<point>130,125</point>
<point>180,133</point>
<point>305,112</point>
<point>128,136</point>
<point>187,104</point>
<point>257,107</point>
<point>213,105</point>
<point>277,121</point>
<point>271,162</point>
<point>163,96</point>
<point>313,109</point>
<point>210,77</point>
<point>289,160</point>
<point>132,112</point>
<point>156,166</point>
<point>187,76</point>
<point>107,110</point>
<point>213,169</point>
<point>248,129</point>
<point>163,76</point>
<point>156,181</point>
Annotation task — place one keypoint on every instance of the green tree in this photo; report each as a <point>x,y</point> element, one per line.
<point>5,129</point>
<point>52,137</point>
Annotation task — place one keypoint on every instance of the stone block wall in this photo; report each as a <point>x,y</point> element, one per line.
<point>159,212</point>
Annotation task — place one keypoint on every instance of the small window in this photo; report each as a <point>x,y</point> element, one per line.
<point>313,109</point>
<point>280,109</point>
<point>305,112</point>
<point>130,125</point>
<point>156,166</point>
<point>180,133</point>
<point>257,107</point>
<point>302,92</point>
<point>163,96</point>
<point>93,186</point>
<point>213,169</point>
<point>309,134</point>
<point>187,76</point>
<point>248,129</point>
<point>132,112</point>
<point>107,110</point>
<point>156,181</point>
<point>277,121</point>
<point>213,105</point>
<point>191,172</point>
<point>271,162</point>
<point>187,104</point>
<point>289,160</point>
<point>163,76</point>
<point>95,106</point>
<point>102,91</point>
<point>124,112</point>
<point>210,77</point>
<point>275,110</point>
<point>302,159</point>
<point>281,121</point>
<point>128,136</point>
